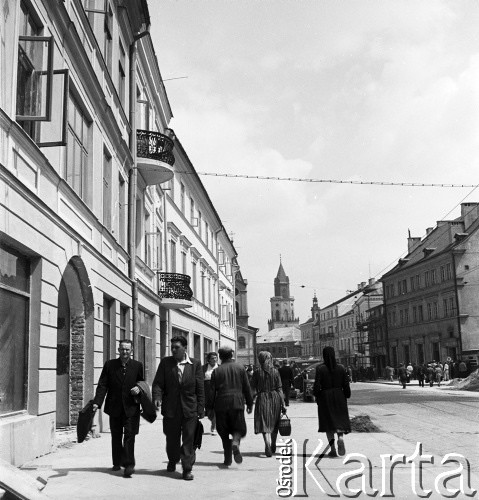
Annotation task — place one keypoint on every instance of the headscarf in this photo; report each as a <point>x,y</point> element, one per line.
<point>265,360</point>
<point>329,358</point>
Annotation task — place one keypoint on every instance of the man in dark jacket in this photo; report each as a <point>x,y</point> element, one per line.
<point>287,378</point>
<point>230,390</point>
<point>117,382</point>
<point>178,388</point>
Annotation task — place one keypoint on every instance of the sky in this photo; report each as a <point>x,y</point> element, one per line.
<point>363,90</point>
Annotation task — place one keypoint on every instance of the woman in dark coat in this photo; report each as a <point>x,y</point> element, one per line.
<point>208,368</point>
<point>331,388</point>
<point>269,401</point>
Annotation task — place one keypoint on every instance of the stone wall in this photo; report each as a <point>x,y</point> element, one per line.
<point>77,367</point>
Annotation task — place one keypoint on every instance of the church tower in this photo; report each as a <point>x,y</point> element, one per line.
<point>282,304</point>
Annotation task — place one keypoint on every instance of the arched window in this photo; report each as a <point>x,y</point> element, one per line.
<point>241,342</point>
<point>285,315</point>
<point>277,315</point>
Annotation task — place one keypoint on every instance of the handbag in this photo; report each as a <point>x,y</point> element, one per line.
<point>284,425</point>
<point>198,439</point>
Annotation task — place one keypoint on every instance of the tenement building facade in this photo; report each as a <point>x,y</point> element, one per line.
<point>106,231</point>
<point>430,296</point>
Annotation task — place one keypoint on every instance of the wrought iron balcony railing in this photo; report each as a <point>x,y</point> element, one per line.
<point>175,286</point>
<point>155,146</point>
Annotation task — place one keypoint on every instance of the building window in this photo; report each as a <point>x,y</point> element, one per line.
<point>107,189</point>
<point>145,334</point>
<point>427,278</point>
<point>192,210</point>
<point>200,223</point>
<point>406,316</point>
<point>448,271</point>
<point>183,262</point>
<point>108,308</point>
<point>411,280</point>
<point>173,256</point>
<point>429,311</point>
<point>77,172</point>
<point>207,235</point>
<point>435,311</point>
<point>433,277</point>
<point>107,43</point>
<point>159,249</point>
<point>418,282</point>
<point>420,314</point>
<point>14,330</point>
<point>193,278</point>
<point>147,238</point>
<point>442,273</point>
<point>124,322</point>
<point>414,314</point>
<point>241,343</point>
<point>451,306</point>
<point>182,198</point>
<point>121,212</point>
<point>121,75</point>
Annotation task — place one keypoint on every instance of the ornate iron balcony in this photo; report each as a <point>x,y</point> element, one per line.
<point>154,146</point>
<point>175,286</point>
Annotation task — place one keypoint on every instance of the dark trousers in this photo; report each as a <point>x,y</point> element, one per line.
<point>421,382</point>
<point>123,431</point>
<point>180,434</point>
<point>286,390</point>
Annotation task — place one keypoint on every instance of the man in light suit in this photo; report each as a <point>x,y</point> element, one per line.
<point>178,388</point>
<point>117,382</point>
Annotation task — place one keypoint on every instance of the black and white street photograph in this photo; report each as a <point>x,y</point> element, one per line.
<point>239,249</point>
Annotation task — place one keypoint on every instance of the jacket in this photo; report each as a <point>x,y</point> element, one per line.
<point>147,406</point>
<point>190,393</point>
<point>116,387</point>
<point>230,387</point>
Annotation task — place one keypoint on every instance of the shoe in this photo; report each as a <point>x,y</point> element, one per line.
<point>171,467</point>
<point>129,470</point>
<point>238,458</point>
<point>227,462</point>
<point>188,476</point>
<point>332,453</point>
<point>116,467</point>
<point>341,447</point>
<point>267,451</point>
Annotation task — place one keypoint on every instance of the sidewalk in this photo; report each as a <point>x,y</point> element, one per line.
<point>82,470</point>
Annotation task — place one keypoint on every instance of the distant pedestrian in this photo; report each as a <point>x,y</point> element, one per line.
<point>350,373</point>
<point>208,368</point>
<point>389,373</point>
<point>402,375</point>
<point>179,389</point>
<point>231,391</point>
<point>462,369</point>
<point>420,373</point>
<point>410,371</point>
<point>438,373</point>
<point>331,388</point>
<point>287,378</point>
<point>269,401</point>
<point>430,374</point>
<point>446,371</point>
<point>118,382</point>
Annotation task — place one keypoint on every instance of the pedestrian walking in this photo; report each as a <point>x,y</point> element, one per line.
<point>446,371</point>
<point>350,373</point>
<point>331,389</point>
<point>230,391</point>
<point>178,387</point>
<point>421,373</point>
<point>389,373</point>
<point>430,374</point>
<point>402,375</point>
<point>410,370</point>
<point>438,373</point>
<point>287,378</point>
<point>269,401</point>
<point>118,383</point>
<point>208,368</point>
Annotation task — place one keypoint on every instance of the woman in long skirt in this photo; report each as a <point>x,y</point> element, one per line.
<point>331,388</point>
<point>269,401</point>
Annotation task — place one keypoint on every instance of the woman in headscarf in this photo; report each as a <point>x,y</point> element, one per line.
<point>269,401</point>
<point>331,388</point>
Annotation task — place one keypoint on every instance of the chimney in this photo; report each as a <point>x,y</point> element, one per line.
<point>371,281</point>
<point>412,243</point>
<point>429,231</point>
<point>469,213</point>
